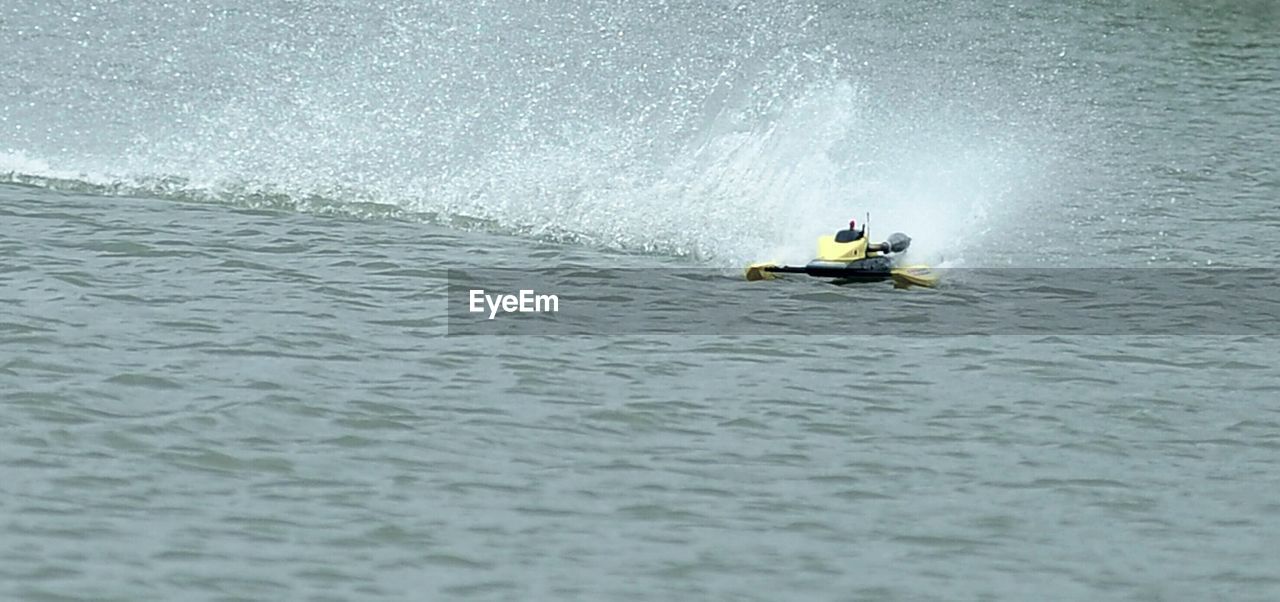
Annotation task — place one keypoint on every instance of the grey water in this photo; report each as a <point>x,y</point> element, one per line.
<point>226,367</point>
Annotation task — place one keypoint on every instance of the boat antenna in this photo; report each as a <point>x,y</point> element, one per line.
<point>866,228</point>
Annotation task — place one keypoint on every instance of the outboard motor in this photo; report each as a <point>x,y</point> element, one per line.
<point>898,242</point>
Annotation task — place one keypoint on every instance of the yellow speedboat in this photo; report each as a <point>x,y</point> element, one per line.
<point>848,256</point>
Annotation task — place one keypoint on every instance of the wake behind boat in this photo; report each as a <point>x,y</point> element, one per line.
<point>848,256</point>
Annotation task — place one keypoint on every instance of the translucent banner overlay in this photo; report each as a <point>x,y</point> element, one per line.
<point>1014,301</point>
